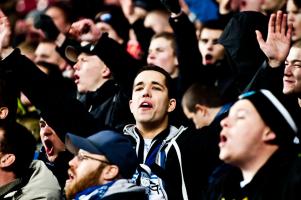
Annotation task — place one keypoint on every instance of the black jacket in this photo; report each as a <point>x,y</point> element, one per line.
<point>63,112</point>
<point>241,47</point>
<point>199,154</point>
<point>279,178</point>
<point>59,167</point>
<point>191,68</point>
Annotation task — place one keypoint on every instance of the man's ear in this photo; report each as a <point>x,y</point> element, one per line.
<point>172,105</point>
<point>176,61</point>
<point>3,112</point>
<point>268,135</point>
<point>110,172</point>
<point>201,108</point>
<point>106,72</point>
<point>130,104</point>
<point>7,160</point>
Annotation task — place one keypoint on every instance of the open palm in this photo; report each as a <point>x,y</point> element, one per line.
<point>277,45</point>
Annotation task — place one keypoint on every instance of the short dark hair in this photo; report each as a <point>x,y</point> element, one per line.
<point>19,141</point>
<point>202,94</point>
<point>217,24</point>
<point>297,3</point>
<point>168,79</point>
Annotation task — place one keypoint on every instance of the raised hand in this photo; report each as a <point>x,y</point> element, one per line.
<point>277,45</point>
<point>85,30</point>
<point>132,12</point>
<point>5,31</point>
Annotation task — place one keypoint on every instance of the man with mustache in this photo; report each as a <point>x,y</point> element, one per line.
<point>100,168</point>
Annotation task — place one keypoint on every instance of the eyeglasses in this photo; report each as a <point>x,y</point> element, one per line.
<point>82,156</point>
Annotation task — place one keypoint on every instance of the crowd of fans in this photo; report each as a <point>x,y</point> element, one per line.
<point>150,99</point>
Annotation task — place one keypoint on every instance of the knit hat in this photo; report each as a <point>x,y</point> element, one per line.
<point>274,114</point>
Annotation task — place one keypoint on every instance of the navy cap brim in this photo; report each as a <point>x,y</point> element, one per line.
<point>74,143</point>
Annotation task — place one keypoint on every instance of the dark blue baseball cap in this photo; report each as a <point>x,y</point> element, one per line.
<point>116,147</point>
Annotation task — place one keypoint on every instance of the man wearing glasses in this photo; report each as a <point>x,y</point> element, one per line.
<point>101,166</point>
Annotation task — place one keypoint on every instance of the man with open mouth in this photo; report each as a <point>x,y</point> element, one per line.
<point>53,152</point>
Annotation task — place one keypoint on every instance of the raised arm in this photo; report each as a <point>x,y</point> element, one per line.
<point>277,45</point>
<point>123,66</point>
<point>188,54</point>
<point>5,34</point>
<point>85,30</point>
<point>63,112</point>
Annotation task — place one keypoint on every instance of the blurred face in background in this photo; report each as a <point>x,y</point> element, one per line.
<point>45,52</point>
<point>211,51</point>
<point>294,17</point>
<point>162,54</point>
<point>59,18</point>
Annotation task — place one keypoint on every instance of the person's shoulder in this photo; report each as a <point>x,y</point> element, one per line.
<point>124,189</point>
<point>41,180</point>
<point>223,172</point>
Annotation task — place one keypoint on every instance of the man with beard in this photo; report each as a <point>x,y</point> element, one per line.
<point>101,166</point>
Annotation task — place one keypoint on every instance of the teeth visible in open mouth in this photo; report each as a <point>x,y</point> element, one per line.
<point>145,105</point>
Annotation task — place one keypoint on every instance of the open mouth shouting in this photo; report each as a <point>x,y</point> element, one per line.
<point>223,140</point>
<point>146,105</point>
<point>71,176</point>
<point>49,149</point>
<point>208,59</point>
<point>76,78</point>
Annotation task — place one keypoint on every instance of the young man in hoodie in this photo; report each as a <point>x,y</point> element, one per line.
<point>152,101</point>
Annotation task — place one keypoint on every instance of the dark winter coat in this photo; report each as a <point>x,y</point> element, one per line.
<point>279,178</point>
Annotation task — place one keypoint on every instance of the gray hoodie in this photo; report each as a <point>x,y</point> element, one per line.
<point>42,184</point>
